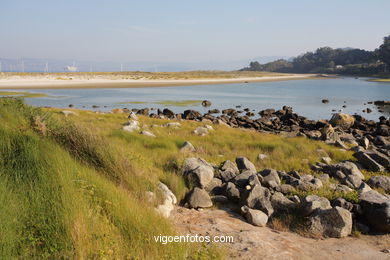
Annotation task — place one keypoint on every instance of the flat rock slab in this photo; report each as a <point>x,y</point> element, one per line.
<point>251,242</point>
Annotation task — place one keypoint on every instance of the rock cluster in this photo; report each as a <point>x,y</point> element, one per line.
<point>369,139</point>
<point>263,195</point>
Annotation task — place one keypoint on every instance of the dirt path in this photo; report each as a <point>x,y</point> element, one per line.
<point>252,242</point>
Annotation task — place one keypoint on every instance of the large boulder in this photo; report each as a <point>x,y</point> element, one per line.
<point>191,115</point>
<point>376,209</point>
<point>312,203</point>
<point>231,192</point>
<point>344,121</point>
<point>282,204</point>
<point>168,113</point>
<point>199,198</point>
<point>333,222</point>
<point>244,164</point>
<point>214,186</point>
<point>198,172</point>
<point>347,172</point>
<point>368,162</point>
<point>242,179</point>
<point>254,217</point>
<point>380,181</point>
<point>270,178</point>
<point>229,165</point>
<point>258,198</point>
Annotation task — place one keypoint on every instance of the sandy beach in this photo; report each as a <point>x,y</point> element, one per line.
<point>42,82</point>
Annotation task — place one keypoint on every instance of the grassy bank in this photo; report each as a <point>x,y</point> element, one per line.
<point>74,187</point>
<point>66,193</point>
<point>379,80</point>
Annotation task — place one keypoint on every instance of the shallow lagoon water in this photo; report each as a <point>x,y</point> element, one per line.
<point>303,95</point>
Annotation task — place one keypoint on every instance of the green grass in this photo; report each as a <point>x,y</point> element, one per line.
<point>22,94</point>
<point>181,103</point>
<point>67,193</point>
<point>379,80</point>
<point>132,102</point>
<point>74,187</point>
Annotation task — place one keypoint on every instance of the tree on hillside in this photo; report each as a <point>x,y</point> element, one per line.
<point>254,66</point>
<point>384,51</point>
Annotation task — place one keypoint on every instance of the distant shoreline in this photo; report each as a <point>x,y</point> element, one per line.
<point>45,83</point>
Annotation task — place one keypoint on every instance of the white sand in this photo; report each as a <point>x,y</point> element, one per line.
<point>28,82</point>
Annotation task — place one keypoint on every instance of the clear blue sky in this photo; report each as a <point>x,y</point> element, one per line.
<point>186,30</point>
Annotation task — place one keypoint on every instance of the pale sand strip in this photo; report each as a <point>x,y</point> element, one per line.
<point>42,83</point>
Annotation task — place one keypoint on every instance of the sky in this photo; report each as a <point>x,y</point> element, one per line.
<point>186,30</point>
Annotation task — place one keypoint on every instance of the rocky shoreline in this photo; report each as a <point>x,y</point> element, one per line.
<point>369,139</point>
<point>261,196</point>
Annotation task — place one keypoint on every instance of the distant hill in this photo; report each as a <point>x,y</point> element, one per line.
<point>58,65</point>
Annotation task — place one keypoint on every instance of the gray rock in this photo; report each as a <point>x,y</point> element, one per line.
<point>269,176</point>
<point>286,189</point>
<point>167,193</point>
<point>281,204</point>
<point>334,222</point>
<point>241,180</point>
<point>244,164</point>
<point>326,159</point>
<point>232,192</point>
<point>342,203</point>
<point>200,130</point>
<point>344,121</point>
<point>379,157</point>
<point>199,198</point>
<point>364,142</point>
<point>368,163</point>
<point>381,181</point>
<point>219,199</point>
<point>376,209</point>
<point>198,172</point>
<point>328,134</point>
<point>258,198</point>
<point>313,203</point>
<point>187,147</point>
<point>254,217</point>
<point>341,144</point>
<point>364,187</point>
<point>253,180</point>
<point>214,186</point>
<point>324,178</point>
<point>169,200</point>
<point>173,125</point>
<point>148,133</point>
<point>227,175</point>
<point>131,126</point>
<point>229,165</point>
<point>262,156</point>
<point>340,188</point>
<point>347,172</point>
<point>67,113</point>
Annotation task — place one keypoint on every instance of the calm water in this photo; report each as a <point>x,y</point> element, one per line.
<point>303,95</point>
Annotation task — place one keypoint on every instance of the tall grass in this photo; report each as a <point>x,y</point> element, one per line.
<point>65,195</point>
